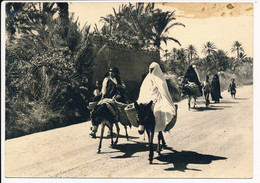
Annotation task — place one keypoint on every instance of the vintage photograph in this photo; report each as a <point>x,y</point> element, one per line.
<point>128,90</point>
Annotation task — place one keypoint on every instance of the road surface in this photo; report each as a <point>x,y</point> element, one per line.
<point>205,143</point>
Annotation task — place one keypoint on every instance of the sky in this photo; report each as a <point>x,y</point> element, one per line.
<point>220,23</point>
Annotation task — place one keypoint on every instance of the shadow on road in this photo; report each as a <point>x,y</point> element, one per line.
<point>130,149</point>
<point>206,109</point>
<point>241,99</point>
<point>182,159</point>
<point>226,102</point>
<point>114,136</point>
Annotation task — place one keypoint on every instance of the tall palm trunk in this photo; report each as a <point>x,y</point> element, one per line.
<point>64,17</point>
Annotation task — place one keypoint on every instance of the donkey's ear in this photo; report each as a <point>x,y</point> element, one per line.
<point>150,103</point>
<point>136,105</point>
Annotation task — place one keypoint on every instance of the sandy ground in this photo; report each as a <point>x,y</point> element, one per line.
<point>205,143</point>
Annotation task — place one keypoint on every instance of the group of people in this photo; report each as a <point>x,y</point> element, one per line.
<point>154,88</point>
<point>206,87</point>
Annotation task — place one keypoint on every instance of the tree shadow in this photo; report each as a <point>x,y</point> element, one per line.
<point>182,159</point>
<point>198,109</point>
<point>114,136</point>
<point>130,149</point>
<point>221,107</point>
<point>226,102</point>
<point>241,98</point>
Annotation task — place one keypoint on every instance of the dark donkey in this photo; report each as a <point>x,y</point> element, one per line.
<point>146,118</point>
<point>101,115</point>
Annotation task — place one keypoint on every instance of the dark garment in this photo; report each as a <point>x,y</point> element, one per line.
<point>206,89</point>
<point>191,76</point>
<point>113,91</point>
<point>232,88</point>
<point>206,95</point>
<point>215,88</point>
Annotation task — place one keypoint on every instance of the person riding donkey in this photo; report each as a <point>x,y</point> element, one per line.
<point>113,89</point>
<point>113,86</point>
<point>191,85</point>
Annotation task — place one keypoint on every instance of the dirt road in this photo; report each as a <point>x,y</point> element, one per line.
<point>216,143</point>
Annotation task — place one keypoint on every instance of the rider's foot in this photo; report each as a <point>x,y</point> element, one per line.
<point>141,129</point>
<point>141,132</point>
<point>93,134</point>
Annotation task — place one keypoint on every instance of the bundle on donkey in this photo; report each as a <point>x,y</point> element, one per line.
<point>155,109</point>
<point>108,113</point>
<point>190,85</point>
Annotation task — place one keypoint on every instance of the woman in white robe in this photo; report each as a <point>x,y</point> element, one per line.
<point>154,87</point>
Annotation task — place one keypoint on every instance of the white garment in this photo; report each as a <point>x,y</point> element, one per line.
<point>154,87</point>
<point>104,84</point>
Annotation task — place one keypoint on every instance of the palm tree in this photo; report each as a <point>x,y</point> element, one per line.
<point>237,47</point>
<point>64,17</point>
<point>127,24</point>
<point>160,26</point>
<point>181,57</point>
<point>191,52</point>
<point>208,48</point>
<point>174,53</point>
<point>220,58</point>
<point>166,55</point>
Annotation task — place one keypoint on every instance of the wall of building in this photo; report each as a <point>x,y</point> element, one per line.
<point>132,64</point>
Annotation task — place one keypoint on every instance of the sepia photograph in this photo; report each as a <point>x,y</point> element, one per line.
<point>130,90</point>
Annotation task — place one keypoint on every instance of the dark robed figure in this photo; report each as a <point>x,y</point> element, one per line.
<point>215,89</point>
<point>191,75</point>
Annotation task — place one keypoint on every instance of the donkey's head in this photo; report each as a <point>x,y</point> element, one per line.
<point>145,114</point>
<point>99,114</point>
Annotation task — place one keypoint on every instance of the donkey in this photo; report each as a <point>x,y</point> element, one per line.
<point>184,90</point>
<point>145,118</point>
<point>101,115</point>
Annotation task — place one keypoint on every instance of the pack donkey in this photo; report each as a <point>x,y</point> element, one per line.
<point>105,116</point>
<point>146,118</point>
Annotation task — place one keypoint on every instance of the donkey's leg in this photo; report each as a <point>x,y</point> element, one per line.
<point>148,135</point>
<point>159,143</point>
<point>117,134</point>
<point>163,141</point>
<point>151,147</point>
<point>126,134</point>
<point>101,137</point>
<point>195,98</point>
<point>189,98</point>
<point>111,132</point>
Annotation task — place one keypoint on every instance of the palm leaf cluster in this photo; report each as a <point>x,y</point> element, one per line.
<point>45,69</point>
<point>138,26</point>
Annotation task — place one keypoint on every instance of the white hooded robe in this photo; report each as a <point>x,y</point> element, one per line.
<point>154,87</point>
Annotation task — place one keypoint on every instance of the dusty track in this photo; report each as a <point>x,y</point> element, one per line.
<point>214,143</point>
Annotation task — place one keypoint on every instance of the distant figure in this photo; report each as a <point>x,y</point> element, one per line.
<point>215,89</point>
<point>113,86</point>
<point>97,92</point>
<point>192,75</point>
<point>232,88</point>
<point>206,90</point>
<point>191,85</point>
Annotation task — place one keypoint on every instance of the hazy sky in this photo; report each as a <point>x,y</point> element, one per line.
<point>220,23</point>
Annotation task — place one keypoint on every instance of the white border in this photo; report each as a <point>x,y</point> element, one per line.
<point>256,130</point>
